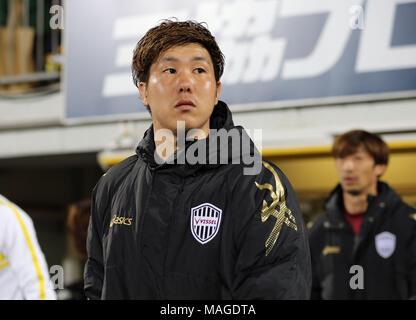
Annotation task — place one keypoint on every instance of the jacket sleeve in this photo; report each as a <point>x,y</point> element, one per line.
<point>23,255</point>
<point>272,255</point>
<point>94,267</point>
<point>314,233</point>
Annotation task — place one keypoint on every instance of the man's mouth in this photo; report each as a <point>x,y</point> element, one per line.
<point>185,105</point>
<point>349,180</point>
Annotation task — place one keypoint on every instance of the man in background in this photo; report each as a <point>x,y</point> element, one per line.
<point>24,273</point>
<point>364,245</point>
<point>79,213</point>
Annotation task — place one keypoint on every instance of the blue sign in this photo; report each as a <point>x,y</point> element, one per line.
<point>277,52</point>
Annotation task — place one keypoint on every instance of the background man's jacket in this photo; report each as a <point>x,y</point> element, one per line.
<point>144,241</point>
<point>385,247</point>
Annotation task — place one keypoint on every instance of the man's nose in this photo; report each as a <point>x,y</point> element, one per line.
<point>348,164</point>
<point>185,82</point>
<point>184,88</point>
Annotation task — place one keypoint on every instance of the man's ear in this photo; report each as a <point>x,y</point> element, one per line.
<point>380,169</point>
<point>143,93</point>
<point>217,95</point>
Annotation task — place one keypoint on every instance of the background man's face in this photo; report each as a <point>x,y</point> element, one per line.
<point>181,87</point>
<point>358,172</point>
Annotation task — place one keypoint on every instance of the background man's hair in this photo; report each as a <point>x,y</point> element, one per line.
<point>77,224</point>
<point>167,35</point>
<point>348,143</point>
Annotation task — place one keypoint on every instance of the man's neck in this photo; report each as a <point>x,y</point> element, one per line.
<point>168,145</point>
<point>165,149</point>
<point>356,204</point>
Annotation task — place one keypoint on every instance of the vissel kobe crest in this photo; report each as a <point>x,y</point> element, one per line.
<point>205,222</point>
<point>385,244</point>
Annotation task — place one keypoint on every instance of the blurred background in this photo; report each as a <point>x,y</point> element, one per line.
<point>302,71</point>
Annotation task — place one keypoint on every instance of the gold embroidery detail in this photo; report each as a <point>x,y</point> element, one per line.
<point>120,220</point>
<point>278,200</point>
<point>331,249</point>
<point>413,216</point>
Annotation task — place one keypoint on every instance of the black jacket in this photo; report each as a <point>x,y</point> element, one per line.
<point>385,248</point>
<point>144,242</point>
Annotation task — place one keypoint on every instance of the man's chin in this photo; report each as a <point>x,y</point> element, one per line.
<point>352,191</point>
<point>184,127</point>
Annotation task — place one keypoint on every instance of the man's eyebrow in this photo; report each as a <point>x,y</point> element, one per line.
<point>174,59</point>
<point>169,58</point>
<point>200,58</point>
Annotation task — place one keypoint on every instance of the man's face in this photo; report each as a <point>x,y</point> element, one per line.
<point>181,87</point>
<point>358,172</point>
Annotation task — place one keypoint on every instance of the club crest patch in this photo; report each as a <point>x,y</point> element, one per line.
<point>205,222</point>
<point>385,244</point>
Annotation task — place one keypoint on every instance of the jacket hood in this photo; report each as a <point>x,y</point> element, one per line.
<point>226,144</point>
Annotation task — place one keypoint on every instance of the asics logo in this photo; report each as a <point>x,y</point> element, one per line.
<point>120,220</point>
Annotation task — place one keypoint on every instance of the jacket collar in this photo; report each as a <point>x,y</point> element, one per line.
<point>386,198</point>
<point>221,118</point>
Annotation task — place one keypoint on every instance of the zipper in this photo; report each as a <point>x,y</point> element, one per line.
<point>171,222</point>
<point>139,230</point>
<point>358,239</point>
